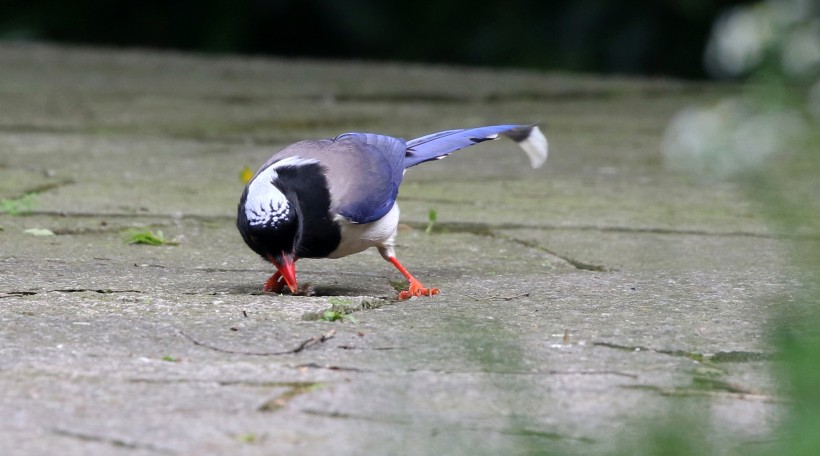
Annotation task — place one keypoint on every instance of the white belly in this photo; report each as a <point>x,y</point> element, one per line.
<point>357,237</point>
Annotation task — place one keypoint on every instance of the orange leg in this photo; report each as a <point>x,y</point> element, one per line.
<point>415,288</point>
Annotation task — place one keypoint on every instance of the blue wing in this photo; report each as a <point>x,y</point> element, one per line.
<point>366,176</point>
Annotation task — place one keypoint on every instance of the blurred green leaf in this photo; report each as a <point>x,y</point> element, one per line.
<point>18,206</point>
<point>246,438</point>
<point>149,238</point>
<point>39,232</point>
<point>333,315</point>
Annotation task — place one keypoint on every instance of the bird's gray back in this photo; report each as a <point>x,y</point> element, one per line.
<point>363,171</point>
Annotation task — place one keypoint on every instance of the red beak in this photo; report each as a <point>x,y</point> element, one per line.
<point>284,265</point>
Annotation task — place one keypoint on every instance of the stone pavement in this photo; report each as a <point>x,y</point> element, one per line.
<point>580,302</point>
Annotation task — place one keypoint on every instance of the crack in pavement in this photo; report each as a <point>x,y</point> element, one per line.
<point>449,427</point>
<point>726,357</point>
<point>296,389</point>
<point>731,392</point>
<point>11,294</point>
<point>113,441</point>
<point>577,264</point>
<point>307,343</point>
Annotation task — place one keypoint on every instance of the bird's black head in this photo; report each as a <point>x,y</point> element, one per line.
<point>286,208</point>
<point>267,218</point>
<point>284,214</point>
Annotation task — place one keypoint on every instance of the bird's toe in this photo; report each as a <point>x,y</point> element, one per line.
<point>417,289</point>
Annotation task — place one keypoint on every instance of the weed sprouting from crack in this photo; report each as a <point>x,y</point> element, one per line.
<point>340,308</point>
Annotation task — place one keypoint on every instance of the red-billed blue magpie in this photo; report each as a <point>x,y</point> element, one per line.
<point>336,197</point>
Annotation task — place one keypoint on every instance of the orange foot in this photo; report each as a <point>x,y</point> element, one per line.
<point>417,289</point>
<point>275,284</point>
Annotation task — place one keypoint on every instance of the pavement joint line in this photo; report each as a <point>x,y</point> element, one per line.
<point>455,227</point>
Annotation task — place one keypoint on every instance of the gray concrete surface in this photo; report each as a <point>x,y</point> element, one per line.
<point>579,302</point>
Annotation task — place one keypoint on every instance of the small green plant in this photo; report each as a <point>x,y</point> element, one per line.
<point>339,303</point>
<point>246,438</point>
<point>18,206</point>
<point>431,220</point>
<point>334,315</point>
<point>149,238</point>
<point>170,359</point>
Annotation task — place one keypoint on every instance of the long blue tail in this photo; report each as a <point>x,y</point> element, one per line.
<point>439,145</point>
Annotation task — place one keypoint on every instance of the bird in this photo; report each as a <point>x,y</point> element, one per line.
<point>331,198</point>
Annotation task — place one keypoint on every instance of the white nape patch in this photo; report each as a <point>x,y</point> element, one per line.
<point>266,204</point>
<point>294,161</point>
<point>536,147</point>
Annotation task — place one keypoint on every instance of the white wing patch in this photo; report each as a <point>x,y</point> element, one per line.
<point>266,204</point>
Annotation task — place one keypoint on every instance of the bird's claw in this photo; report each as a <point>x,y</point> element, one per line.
<point>417,289</point>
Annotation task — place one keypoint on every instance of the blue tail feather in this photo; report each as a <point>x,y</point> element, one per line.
<point>438,145</point>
